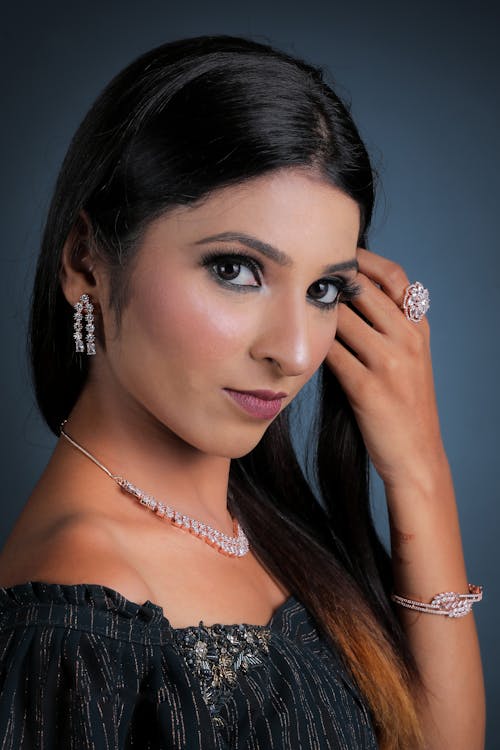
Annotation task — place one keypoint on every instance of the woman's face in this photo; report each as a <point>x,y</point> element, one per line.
<point>234,295</point>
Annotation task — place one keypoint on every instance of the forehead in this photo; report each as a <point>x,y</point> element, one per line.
<point>290,209</point>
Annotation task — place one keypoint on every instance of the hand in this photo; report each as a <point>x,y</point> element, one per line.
<point>388,380</point>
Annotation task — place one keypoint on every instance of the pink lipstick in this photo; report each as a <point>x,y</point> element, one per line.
<point>261,404</point>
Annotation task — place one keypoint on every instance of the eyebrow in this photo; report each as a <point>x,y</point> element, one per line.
<point>278,256</point>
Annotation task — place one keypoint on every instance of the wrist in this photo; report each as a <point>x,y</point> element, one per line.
<point>426,476</point>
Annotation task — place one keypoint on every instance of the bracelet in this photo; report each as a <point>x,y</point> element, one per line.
<point>448,603</point>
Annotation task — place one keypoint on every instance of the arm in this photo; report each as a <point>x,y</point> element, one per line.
<point>390,386</point>
<point>427,559</point>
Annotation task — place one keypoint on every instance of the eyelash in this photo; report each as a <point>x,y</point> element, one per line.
<point>347,291</point>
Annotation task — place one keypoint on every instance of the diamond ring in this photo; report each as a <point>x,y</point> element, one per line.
<point>416,302</point>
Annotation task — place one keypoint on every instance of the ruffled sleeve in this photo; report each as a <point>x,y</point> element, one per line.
<point>82,667</point>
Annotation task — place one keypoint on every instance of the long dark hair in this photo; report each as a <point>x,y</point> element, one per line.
<point>182,120</point>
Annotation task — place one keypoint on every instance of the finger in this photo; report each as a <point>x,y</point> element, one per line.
<point>393,281</point>
<point>388,274</point>
<point>361,338</point>
<point>379,308</point>
<point>348,370</point>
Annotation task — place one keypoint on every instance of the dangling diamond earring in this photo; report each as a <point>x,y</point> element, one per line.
<point>84,307</point>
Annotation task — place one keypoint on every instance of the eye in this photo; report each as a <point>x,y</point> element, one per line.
<point>236,273</point>
<point>325,291</point>
<point>235,270</point>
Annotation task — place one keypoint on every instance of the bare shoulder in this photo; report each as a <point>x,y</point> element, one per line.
<point>79,548</point>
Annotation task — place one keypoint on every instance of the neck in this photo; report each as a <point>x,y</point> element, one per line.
<point>147,454</point>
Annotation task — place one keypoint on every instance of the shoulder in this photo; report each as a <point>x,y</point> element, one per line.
<point>75,671</point>
<point>78,548</point>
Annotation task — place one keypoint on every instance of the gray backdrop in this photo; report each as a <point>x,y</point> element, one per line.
<point>423,80</point>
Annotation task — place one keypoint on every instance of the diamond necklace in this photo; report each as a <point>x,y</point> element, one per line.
<point>232,546</point>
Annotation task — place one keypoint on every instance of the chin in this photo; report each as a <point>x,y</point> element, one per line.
<point>236,447</point>
<point>220,438</point>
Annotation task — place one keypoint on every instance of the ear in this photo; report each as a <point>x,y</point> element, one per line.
<point>80,269</point>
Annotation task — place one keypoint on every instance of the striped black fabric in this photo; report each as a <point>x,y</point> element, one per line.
<point>83,667</point>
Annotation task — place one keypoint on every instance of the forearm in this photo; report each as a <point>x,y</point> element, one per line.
<point>428,559</point>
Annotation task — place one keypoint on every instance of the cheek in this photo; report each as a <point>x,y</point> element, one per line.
<point>188,322</point>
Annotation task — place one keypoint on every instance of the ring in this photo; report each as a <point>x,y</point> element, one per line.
<point>416,302</point>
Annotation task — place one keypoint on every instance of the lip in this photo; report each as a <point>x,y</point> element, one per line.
<point>261,404</point>
<point>264,395</point>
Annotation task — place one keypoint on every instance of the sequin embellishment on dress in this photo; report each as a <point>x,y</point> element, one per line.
<point>216,653</point>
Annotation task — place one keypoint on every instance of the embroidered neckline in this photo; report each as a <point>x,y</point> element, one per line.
<point>217,653</point>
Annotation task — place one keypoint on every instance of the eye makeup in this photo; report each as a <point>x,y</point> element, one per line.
<point>346,289</point>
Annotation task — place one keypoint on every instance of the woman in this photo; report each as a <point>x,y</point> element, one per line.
<point>204,256</point>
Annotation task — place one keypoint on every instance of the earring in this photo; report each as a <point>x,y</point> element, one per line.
<point>84,307</point>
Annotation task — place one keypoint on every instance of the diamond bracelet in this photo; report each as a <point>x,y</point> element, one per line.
<point>448,603</point>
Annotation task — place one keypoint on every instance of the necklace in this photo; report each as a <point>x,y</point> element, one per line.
<point>231,546</point>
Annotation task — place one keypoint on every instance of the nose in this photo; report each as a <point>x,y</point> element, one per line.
<point>284,336</point>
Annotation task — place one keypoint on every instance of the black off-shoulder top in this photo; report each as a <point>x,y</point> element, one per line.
<point>82,667</point>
